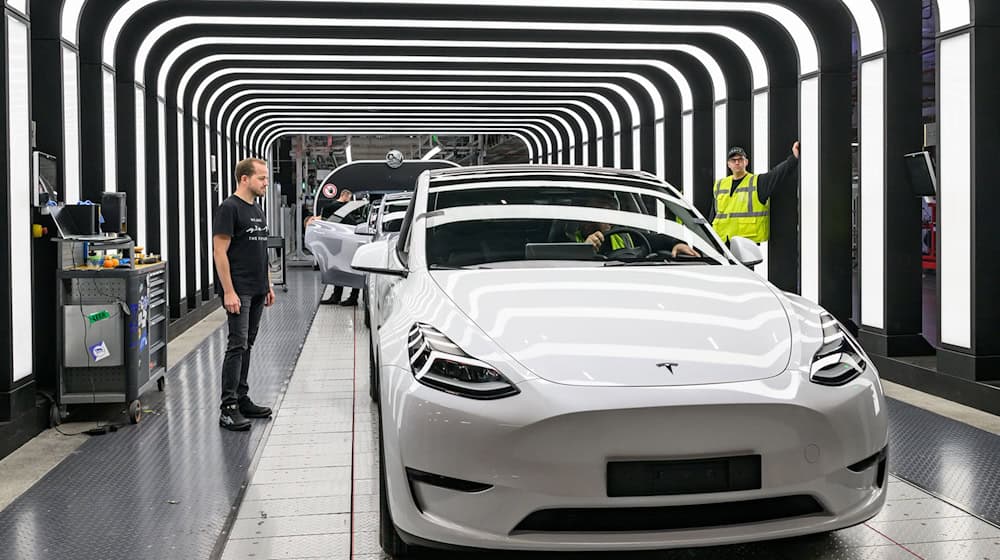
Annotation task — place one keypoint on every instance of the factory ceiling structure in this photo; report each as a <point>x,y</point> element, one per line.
<point>160,98</point>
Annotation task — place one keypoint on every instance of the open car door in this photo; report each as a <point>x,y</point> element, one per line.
<point>334,243</point>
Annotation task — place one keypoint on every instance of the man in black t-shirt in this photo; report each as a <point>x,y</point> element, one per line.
<point>240,246</point>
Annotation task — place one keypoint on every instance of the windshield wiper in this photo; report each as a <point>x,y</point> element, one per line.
<point>662,260</point>
<point>445,267</point>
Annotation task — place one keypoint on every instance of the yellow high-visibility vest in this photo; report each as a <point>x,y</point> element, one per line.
<point>616,241</point>
<point>741,213</point>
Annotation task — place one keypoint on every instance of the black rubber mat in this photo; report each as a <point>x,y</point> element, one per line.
<point>946,457</point>
<point>165,487</point>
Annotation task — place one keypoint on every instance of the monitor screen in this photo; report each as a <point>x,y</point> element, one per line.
<point>923,179</point>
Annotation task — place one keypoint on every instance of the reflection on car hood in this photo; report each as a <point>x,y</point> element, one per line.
<point>658,326</point>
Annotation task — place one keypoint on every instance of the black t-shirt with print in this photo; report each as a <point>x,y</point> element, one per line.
<point>246,226</point>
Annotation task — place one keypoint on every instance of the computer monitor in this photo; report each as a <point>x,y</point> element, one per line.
<point>46,174</point>
<point>923,179</point>
<point>77,221</point>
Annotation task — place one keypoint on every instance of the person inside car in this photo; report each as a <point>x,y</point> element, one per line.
<point>595,233</point>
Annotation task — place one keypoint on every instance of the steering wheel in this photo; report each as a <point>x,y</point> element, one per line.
<point>629,252</point>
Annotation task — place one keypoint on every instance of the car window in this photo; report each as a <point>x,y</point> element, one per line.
<point>525,221</point>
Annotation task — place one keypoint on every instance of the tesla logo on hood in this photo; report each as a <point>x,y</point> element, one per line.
<point>669,365</point>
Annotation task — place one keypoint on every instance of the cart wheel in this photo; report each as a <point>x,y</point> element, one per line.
<point>135,411</point>
<point>285,288</point>
<point>161,383</point>
<point>54,417</point>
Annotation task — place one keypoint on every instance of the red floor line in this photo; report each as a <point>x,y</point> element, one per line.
<point>354,414</point>
<point>890,539</point>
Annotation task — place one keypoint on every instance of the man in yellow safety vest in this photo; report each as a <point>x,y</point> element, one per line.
<point>742,201</point>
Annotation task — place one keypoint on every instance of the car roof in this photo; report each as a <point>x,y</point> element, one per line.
<point>398,196</point>
<point>459,175</point>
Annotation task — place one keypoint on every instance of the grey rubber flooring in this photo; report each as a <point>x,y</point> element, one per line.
<point>163,488</point>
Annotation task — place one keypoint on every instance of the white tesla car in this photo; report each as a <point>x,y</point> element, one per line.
<point>569,359</point>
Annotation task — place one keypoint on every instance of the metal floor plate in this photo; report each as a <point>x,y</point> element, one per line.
<point>165,487</point>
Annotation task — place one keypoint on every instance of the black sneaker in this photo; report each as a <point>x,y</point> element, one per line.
<point>250,410</point>
<point>231,419</point>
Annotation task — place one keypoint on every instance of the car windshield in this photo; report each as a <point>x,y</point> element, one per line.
<point>538,223</point>
<point>395,211</point>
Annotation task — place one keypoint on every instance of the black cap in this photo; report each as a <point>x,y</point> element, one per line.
<point>736,151</point>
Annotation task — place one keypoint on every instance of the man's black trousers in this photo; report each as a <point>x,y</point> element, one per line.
<point>242,333</point>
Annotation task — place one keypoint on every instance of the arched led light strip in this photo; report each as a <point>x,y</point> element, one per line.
<point>249,120</point>
<point>323,130</point>
<point>541,96</point>
<point>526,128</point>
<point>655,96</point>
<point>800,33</point>
<point>410,103</point>
<point>707,60</point>
<point>625,95</point>
<point>550,138</point>
<point>608,105</point>
<point>687,101</point>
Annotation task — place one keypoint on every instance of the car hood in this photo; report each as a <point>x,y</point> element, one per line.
<point>649,326</point>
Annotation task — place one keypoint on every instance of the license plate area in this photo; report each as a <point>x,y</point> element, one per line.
<point>689,476</point>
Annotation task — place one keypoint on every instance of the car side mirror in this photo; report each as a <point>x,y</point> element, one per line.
<point>363,229</point>
<point>376,258</point>
<point>746,252</point>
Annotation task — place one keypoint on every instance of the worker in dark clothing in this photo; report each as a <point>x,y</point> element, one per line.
<point>742,201</point>
<point>239,239</point>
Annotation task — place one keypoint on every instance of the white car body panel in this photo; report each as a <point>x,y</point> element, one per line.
<point>582,346</point>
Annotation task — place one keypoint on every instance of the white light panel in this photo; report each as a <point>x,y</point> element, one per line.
<point>687,153</point>
<point>181,259</point>
<point>197,202</point>
<point>953,14</point>
<point>869,23</point>
<point>164,247</point>
<point>872,247</point>
<point>761,149</point>
<point>955,196</point>
<point>19,5</point>
<point>20,176</point>
<point>139,228</point>
<point>720,149</point>
<point>71,126</point>
<point>809,199</point>
<point>110,149</point>
<point>71,11</point>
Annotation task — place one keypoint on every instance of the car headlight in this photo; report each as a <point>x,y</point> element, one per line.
<point>839,360</point>
<point>439,363</point>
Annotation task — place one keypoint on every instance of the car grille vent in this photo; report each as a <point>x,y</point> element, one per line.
<point>605,520</point>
